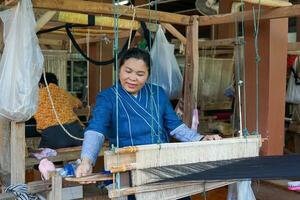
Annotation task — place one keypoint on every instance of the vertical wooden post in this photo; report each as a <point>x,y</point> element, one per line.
<point>191,70</point>
<point>272,82</point>
<point>17,148</point>
<point>93,73</point>
<point>12,150</point>
<point>56,191</point>
<point>5,147</point>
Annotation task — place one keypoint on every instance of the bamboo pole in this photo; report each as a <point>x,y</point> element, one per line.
<point>104,21</point>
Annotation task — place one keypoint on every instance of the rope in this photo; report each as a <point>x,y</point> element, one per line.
<point>116,63</point>
<point>238,77</point>
<point>257,60</point>
<point>54,110</point>
<point>131,28</point>
<point>245,130</point>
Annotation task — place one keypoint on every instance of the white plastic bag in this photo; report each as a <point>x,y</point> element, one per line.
<point>241,190</point>
<point>21,63</point>
<point>165,71</point>
<point>293,90</point>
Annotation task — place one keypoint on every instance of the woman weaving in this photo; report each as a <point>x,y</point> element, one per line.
<point>145,115</point>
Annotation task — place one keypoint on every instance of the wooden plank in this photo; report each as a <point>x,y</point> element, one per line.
<point>42,21</point>
<point>5,146</point>
<point>104,21</point>
<point>274,13</point>
<point>10,2</point>
<point>294,46</point>
<point>98,8</point>
<point>191,71</point>
<point>61,156</point>
<point>50,42</point>
<point>17,152</point>
<point>271,3</point>
<point>174,32</point>
<point>7,196</point>
<point>56,192</point>
<point>39,186</point>
<point>92,177</point>
<point>160,189</point>
<point>4,178</point>
<point>220,42</point>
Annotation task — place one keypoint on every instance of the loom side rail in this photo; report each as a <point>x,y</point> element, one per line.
<point>165,191</point>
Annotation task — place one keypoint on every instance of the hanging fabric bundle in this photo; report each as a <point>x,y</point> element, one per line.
<point>21,63</point>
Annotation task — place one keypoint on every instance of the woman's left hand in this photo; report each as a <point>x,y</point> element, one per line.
<point>211,137</point>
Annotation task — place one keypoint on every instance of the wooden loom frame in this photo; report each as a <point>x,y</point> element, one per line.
<point>131,159</point>
<point>15,144</point>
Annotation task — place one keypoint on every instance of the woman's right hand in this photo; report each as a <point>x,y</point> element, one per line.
<point>84,169</point>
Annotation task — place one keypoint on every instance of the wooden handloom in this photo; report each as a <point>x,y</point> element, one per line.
<point>138,159</point>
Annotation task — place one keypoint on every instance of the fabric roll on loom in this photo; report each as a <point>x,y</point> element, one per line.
<point>258,168</point>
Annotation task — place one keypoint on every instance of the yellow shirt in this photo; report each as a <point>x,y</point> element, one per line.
<point>63,103</point>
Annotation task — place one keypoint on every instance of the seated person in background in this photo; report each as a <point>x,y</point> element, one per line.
<point>52,134</point>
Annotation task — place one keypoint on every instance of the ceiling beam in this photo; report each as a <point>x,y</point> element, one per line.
<point>272,13</point>
<point>271,3</point>
<point>97,8</point>
<point>43,20</point>
<point>174,32</point>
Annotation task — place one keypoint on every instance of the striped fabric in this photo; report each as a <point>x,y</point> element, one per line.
<point>20,191</point>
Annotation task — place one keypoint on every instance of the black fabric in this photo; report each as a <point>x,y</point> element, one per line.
<point>95,62</point>
<point>146,34</point>
<point>91,20</point>
<point>54,137</point>
<point>260,168</point>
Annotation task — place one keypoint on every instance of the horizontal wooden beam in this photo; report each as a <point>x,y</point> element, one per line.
<point>294,46</point>
<point>271,3</point>
<point>97,8</point>
<point>272,13</point>
<point>78,18</point>
<point>50,42</point>
<point>219,42</point>
<point>296,53</point>
<point>149,189</point>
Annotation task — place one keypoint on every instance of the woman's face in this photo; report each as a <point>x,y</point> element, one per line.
<point>133,75</point>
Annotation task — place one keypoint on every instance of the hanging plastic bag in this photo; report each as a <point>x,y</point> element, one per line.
<point>165,71</point>
<point>21,63</point>
<point>293,89</point>
<point>241,190</point>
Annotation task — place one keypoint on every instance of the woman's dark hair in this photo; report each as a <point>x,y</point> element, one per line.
<point>50,77</point>
<point>139,54</point>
